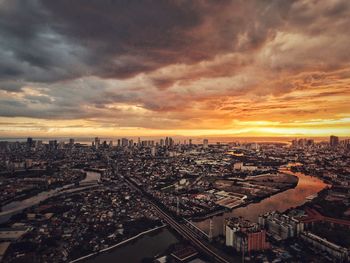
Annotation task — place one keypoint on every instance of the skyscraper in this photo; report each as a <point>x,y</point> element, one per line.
<point>333,141</point>
<point>205,143</point>
<point>125,142</point>
<point>97,142</point>
<point>29,142</point>
<point>153,151</point>
<point>171,142</point>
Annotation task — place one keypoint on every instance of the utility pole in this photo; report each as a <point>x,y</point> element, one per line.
<point>211,229</point>
<point>177,206</point>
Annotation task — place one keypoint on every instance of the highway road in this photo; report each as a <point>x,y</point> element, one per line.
<point>202,245</point>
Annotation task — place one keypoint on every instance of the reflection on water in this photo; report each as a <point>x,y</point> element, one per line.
<point>149,245</point>
<point>306,186</point>
<point>17,206</point>
<point>234,153</point>
<point>91,176</point>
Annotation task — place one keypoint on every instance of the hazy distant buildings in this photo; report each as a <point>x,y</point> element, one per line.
<point>169,142</point>
<point>205,143</point>
<point>333,141</point>
<point>29,142</point>
<point>53,145</point>
<point>97,143</point>
<point>38,144</point>
<point>125,142</point>
<point>61,145</point>
<point>153,151</point>
<point>302,143</point>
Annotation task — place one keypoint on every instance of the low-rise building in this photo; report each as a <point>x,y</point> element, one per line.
<point>340,253</point>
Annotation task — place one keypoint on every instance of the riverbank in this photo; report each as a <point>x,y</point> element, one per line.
<point>16,207</point>
<point>281,201</point>
<point>246,203</point>
<point>118,244</point>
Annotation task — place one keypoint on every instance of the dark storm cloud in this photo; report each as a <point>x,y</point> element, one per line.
<point>129,37</point>
<point>158,63</point>
<point>47,41</point>
<point>30,50</point>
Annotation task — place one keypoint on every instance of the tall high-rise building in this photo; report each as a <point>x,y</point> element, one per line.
<point>346,143</point>
<point>38,144</point>
<point>205,143</point>
<point>125,142</point>
<point>333,141</point>
<point>71,142</point>
<point>60,145</point>
<point>171,142</point>
<point>97,142</point>
<point>245,236</point>
<point>53,145</point>
<point>281,226</point>
<point>153,151</point>
<point>29,142</point>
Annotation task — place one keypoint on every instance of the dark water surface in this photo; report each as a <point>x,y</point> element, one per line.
<point>149,245</point>
<point>306,186</point>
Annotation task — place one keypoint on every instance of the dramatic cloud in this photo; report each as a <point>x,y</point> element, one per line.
<point>216,67</point>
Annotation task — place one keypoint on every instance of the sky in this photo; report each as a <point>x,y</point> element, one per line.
<point>192,68</point>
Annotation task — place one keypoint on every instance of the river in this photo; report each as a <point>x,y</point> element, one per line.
<point>153,244</point>
<point>17,206</point>
<point>149,245</point>
<point>157,242</point>
<point>307,185</point>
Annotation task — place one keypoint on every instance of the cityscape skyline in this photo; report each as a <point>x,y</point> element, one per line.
<point>191,200</point>
<point>179,139</point>
<point>174,131</point>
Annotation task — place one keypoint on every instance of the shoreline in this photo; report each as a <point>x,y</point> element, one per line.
<point>251,201</point>
<point>5,215</point>
<point>118,244</point>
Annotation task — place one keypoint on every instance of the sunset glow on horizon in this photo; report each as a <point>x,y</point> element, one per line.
<point>189,68</point>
